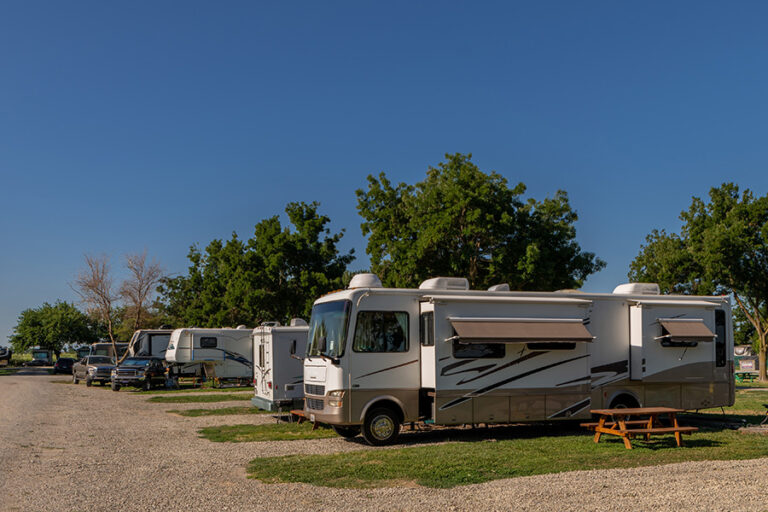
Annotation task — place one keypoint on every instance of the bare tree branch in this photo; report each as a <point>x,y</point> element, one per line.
<point>138,288</point>
<point>95,287</point>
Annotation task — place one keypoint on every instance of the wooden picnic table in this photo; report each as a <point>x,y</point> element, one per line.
<point>618,422</point>
<point>746,376</point>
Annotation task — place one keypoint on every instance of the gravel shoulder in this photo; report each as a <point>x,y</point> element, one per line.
<point>66,447</point>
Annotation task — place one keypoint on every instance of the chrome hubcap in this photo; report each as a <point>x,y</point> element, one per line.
<point>382,427</point>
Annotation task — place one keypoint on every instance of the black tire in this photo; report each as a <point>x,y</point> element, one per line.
<point>346,432</point>
<point>74,378</point>
<point>101,383</point>
<point>88,382</point>
<point>147,384</point>
<point>624,402</point>
<point>381,426</point>
<point>115,387</point>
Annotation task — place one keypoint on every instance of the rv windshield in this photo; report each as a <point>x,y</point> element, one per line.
<point>328,329</point>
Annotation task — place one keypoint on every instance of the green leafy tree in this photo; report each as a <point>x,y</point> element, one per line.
<point>460,221</point>
<point>721,249</point>
<point>53,326</point>
<point>275,275</point>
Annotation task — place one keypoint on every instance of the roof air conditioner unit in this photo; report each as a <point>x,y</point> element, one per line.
<point>637,289</point>
<point>445,283</point>
<point>365,281</point>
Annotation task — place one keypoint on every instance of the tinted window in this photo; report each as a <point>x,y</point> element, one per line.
<point>207,342</point>
<point>427,329</point>
<point>720,340</point>
<point>381,331</point>
<point>477,350</point>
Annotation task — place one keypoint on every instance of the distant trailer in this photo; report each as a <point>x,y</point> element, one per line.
<point>278,371</point>
<point>106,349</point>
<point>223,354</point>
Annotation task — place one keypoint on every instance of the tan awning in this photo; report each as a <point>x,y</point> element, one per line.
<point>521,330</point>
<point>677,329</point>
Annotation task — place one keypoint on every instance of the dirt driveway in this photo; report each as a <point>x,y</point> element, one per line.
<point>66,447</point>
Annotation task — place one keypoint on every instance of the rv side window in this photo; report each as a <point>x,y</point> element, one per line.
<point>207,342</point>
<point>478,350</point>
<point>381,331</point>
<point>720,340</point>
<point>426,329</point>
<point>261,356</point>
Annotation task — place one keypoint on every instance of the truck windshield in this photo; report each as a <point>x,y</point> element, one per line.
<point>328,329</point>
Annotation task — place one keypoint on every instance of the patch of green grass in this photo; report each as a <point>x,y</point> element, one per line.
<point>192,389</point>
<point>8,371</point>
<point>224,411</point>
<point>748,404</point>
<point>184,399</point>
<point>453,464</point>
<point>267,432</point>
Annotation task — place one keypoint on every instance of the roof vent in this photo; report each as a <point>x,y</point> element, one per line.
<point>241,327</point>
<point>365,281</point>
<point>271,323</point>
<point>445,283</point>
<point>503,287</point>
<point>298,322</point>
<point>637,289</point>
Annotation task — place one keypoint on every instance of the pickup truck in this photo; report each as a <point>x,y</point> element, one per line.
<point>93,369</point>
<point>139,371</point>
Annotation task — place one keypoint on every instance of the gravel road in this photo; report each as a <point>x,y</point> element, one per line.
<point>66,447</point>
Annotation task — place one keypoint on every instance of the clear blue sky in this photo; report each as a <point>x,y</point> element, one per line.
<point>133,125</point>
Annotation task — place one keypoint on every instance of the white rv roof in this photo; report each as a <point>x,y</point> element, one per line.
<point>521,297</point>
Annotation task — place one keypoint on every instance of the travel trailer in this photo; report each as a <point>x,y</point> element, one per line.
<point>106,349</point>
<point>222,354</point>
<point>442,354</point>
<point>149,342</point>
<point>277,370</point>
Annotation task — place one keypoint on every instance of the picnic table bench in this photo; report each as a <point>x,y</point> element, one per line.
<point>616,422</point>
<point>745,376</point>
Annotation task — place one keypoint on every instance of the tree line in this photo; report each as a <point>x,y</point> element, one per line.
<point>457,221</point>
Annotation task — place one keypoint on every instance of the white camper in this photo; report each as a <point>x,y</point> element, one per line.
<point>223,354</point>
<point>149,342</point>
<point>277,369</point>
<point>443,354</point>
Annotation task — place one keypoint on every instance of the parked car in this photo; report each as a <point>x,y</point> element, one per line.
<point>93,369</point>
<point>139,371</point>
<point>63,365</point>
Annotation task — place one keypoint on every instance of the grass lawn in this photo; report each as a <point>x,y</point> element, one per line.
<point>184,399</point>
<point>462,463</point>
<point>513,452</point>
<point>8,371</point>
<point>268,432</point>
<point>224,411</point>
<point>191,389</point>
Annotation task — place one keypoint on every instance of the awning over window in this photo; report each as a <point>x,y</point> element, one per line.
<point>521,330</point>
<point>679,329</point>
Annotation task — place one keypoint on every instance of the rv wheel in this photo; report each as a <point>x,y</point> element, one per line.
<point>347,432</point>
<point>382,426</point>
<point>624,402</point>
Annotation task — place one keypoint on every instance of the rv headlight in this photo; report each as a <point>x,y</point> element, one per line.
<point>335,398</point>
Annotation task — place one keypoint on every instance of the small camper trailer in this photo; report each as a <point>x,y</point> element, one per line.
<point>149,342</point>
<point>222,354</point>
<point>106,349</point>
<point>444,354</point>
<point>277,369</point>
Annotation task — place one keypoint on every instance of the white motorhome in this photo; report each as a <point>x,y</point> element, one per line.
<point>223,354</point>
<point>149,342</point>
<point>277,370</point>
<point>379,357</point>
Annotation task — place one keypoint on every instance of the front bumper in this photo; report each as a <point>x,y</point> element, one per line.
<point>316,408</point>
<point>129,381</point>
